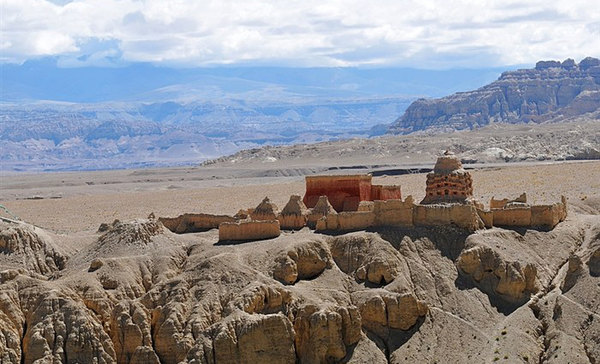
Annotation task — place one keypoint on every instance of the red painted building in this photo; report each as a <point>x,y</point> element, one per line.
<point>346,191</point>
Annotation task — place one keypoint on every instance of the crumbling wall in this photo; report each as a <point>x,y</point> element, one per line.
<point>394,212</point>
<point>190,223</point>
<point>366,206</point>
<point>292,222</point>
<point>512,216</point>
<point>326,222</point>
<point>249,230</point>
<point>464,216</point>
<point>548,216</point>
<point>388,192</point>
<point>500,204</point>
<point>355,220</point>
<point>486,216</point>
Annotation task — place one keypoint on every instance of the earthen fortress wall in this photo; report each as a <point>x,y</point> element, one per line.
<point>361,205</point>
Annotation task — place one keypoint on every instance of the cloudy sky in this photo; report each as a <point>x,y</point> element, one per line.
<point>189,33</point>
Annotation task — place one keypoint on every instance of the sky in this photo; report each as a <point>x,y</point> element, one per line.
<point>428,34</point>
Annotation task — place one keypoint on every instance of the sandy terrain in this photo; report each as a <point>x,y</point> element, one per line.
<point>68,202</point>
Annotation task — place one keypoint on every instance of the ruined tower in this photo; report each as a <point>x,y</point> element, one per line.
<point>449,182</point>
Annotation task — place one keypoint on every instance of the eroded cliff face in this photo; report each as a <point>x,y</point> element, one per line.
<point>137,293</point>
<point>550,91</point>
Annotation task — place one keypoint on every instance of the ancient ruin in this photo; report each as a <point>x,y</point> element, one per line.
<point>191,223</point>
<point>294,214</point>
<point>266,210</point>
<point>352,202</point>
<point>249,230</point>
<point>448,182</point>
<point>345,192</point>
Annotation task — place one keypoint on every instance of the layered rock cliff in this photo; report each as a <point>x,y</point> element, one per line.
<point>552,91</point>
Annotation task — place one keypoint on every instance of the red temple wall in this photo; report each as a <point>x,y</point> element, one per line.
<point>345,192</point>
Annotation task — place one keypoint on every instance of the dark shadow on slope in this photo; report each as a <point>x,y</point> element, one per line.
<point>238,242</point>
<point>523,230</point>
<point>398,338</point>
<point>503,306</point>
<point>449,240</point>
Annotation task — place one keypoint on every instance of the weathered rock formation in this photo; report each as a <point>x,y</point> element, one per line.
<point>137,293</point>
<point>24,243</point>
<point>512,280</point>
<point>551,91</point>
<point>302,260</point>
<point>369,258</point>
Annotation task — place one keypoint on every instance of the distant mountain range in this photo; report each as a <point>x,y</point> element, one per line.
<point>54,118</point>
<point>551,92</point>
<point>54,136</point>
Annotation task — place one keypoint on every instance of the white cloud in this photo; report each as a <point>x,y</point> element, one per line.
<point>426,33</point>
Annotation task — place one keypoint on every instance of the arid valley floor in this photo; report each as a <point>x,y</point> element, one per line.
<point>138,293</point>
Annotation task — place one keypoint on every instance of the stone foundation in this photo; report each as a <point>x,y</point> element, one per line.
<point>292,222</point>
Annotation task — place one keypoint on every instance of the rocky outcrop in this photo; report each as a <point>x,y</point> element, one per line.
<point>254,339</point>
<point>594,260</point>
<point>382,310</point>
<point>368,258</point>
<point>323,334</point>
<point>548,92</point>
<point>303,260</point>
<point>514,281</point>
<point>24,243</point>
<point>136,293</point>
<point>136,232</point>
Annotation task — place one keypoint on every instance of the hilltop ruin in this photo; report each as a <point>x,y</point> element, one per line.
<point>448,182</point>
<point>352,202</point>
